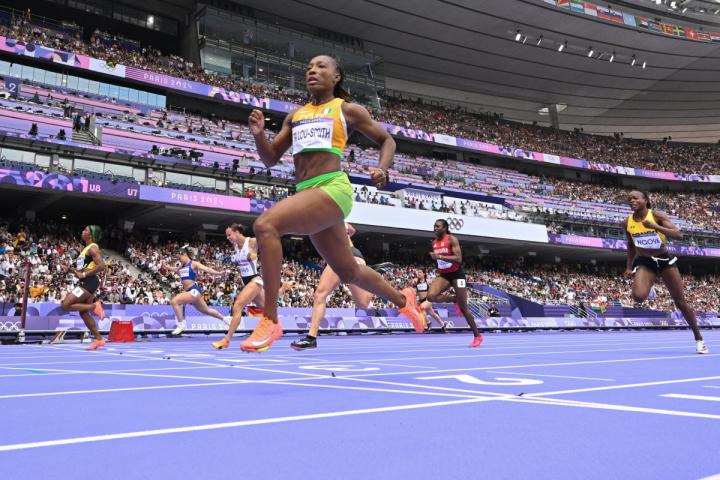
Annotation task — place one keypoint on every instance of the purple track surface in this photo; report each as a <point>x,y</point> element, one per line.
<point>590,405</point>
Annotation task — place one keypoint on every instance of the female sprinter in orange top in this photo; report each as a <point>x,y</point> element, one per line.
<point>317,133</point>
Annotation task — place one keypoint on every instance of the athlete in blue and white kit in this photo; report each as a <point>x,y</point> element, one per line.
<point>246,260</point>
<point>192,291</point>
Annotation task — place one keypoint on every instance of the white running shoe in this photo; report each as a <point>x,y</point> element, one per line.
<point>179,328</point>
<point>227,319</point>
<point>652,294</point>
<point>701,348</point>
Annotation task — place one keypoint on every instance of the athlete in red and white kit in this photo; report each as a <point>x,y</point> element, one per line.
<point>446,251</point>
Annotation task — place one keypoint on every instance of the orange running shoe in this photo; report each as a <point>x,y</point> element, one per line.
<point>412,310</point>
<point>96,344</point>
<point>223,343</point>
<point>263,336</point>
<point>99,310</point>
<point>477,341</point>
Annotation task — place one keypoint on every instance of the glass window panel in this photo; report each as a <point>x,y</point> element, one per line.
<point>16,70</point>
<point>179,178</point>
<point>203,181</point>
<point>26,72</point>
<point>42,160</point>
<point>11,154</point>
<point>139,174</point>
<point>143,98</point>
<point>82,84</point>
<point>93,86</point>
<point>72,82</point>
<point>124,170</point>
<point>132,95</point>
<point>89,165</point>
<point>104,89</point>
<point>65,164</point>
<point>52,78</point>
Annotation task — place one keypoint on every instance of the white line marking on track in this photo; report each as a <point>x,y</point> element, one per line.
<point>532,365</point>
<point>608,406</point>
<point>619,387</point>
<point>554,376</point>
<point>369,389</point>
<point>499,381</point>
<point>707,398</point>
<point>125,389</point>
<point>241,423</point>
<point>414,385</point>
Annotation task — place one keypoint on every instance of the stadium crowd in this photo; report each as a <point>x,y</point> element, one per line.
<point>409,113</point>
<point>143,276</point>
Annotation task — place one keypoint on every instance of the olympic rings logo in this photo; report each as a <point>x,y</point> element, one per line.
<point>9,326</point>
<point>455,223</point>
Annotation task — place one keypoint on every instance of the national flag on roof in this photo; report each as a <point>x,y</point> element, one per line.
<point>563,4</point>
<point>615,16</point>
<point>642,22</point>
<point>691,34</point>
<point>655,27</point>
<point>667,28</point>
<point>704,37</point>
<point>678,32</point>
<point>577,6</point>
<point>628,19</point>
<point>715,37</point>
<point>603,12</point>
<point>590,9</point>
<point>551,2</point>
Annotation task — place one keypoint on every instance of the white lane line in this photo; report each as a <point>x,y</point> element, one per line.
<point>372,362</point>
<point>384,390</point>
<point>83,362</point>
<point>609,406</point>
<point>202,363</point>
<point>532,365</point>
<point>706,398</point>
<point>121,373</point>
<point>480,356</point>
<point>39,374</point>
<point>241,423</point>
<point>462,346</point>
<point>711,386</point>
<point>554,376</point>
<point>619,387</point>
<point>428,387</point>
<point>125,389</point>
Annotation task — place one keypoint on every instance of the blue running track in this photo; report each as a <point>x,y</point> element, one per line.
<point>574,405</point>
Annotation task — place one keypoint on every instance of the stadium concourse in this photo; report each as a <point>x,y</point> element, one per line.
<point>534,179</point>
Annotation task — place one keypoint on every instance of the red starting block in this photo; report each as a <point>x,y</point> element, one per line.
<point>121,331</point>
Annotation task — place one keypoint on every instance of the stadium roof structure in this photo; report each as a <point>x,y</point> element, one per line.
<point>503,56</point>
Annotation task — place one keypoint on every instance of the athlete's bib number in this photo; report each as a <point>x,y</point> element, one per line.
<point>247,269</point>
<point>185,272</point>
<point>78,292</point>
<point>443,265</point>
<point>649,241</point>
<point>194,292</point>
<point>315,133</point>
